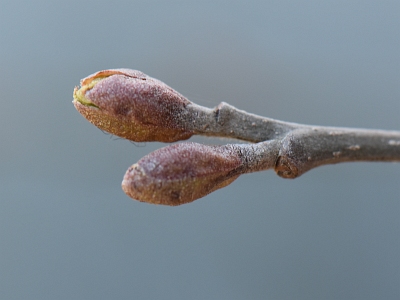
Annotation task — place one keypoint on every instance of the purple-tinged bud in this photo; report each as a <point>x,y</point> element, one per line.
<point>181,173</point>
<point>132,105</point>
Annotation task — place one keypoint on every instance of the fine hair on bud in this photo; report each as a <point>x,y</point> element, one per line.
<point>132,105</point>
<point>181,173</point>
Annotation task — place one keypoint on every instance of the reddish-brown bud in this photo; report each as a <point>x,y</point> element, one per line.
<point>132,105</point>
<point>181,173</point>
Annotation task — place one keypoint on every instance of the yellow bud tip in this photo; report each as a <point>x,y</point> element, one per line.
<point>88,83</point>
<point>79,96</point>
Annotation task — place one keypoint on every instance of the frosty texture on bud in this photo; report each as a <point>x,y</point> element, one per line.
<point>181,173</point>
<point>132,105</point>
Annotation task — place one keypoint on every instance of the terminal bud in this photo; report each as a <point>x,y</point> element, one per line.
<point>132,105</point>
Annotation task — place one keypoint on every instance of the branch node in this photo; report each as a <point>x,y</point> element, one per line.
<point>286,168</point>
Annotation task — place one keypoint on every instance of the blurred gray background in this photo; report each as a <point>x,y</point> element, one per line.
<point>67,230</point>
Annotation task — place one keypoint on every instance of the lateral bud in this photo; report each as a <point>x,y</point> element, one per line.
<point>181,173</point>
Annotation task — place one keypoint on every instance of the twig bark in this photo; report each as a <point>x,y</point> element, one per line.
<point>227,121</point>
<point>304,149</point>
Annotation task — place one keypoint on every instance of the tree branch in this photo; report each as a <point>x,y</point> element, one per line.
<point>135,106</point>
